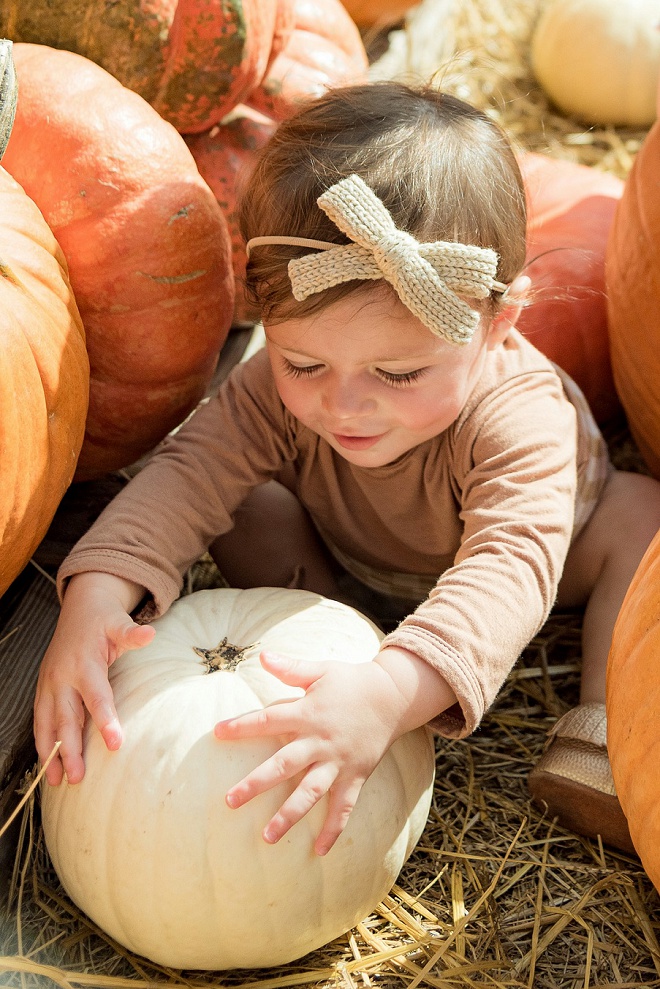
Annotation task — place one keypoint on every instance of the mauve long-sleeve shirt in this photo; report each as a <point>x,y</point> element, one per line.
<point>485,509</point>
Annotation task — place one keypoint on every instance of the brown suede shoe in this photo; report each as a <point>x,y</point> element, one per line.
<point>572,780</point>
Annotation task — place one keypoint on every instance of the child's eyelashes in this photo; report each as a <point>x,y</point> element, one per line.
<point>402,378</point>
<point>396,379</point>
<point>300,371</point>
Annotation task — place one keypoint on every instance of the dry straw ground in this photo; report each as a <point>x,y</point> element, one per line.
<point>495,895</point>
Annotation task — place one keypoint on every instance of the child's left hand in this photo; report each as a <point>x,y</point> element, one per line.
<point>337,734</point>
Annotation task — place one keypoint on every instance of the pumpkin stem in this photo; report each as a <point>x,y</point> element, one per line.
<point>8,93</point>
<point>224,656</point>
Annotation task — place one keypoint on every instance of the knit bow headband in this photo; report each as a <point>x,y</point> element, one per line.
<point>427,277</point>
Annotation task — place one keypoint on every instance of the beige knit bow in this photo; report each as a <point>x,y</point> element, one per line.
<point>426,277</point>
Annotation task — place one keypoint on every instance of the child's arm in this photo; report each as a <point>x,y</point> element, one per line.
<point>338,732</point>
<point>93,629</point>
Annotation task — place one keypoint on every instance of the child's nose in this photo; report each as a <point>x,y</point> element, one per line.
<point>347,398</point>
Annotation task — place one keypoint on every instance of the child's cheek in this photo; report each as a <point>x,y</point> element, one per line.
<point>296,395</point>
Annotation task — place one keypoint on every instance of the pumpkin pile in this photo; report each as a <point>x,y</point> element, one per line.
<point>226,899</point>
<point>151,252</point>
<point>146,244</point>
<point>195,60</point>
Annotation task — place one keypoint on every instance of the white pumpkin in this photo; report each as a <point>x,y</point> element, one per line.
<point>146,845</point>
<point>599,60</point>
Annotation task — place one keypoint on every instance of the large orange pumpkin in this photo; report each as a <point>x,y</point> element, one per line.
<point>633,709</point>
<point>571,208</point>
<point>194,60</point>
<point>633,290</point>
<point>44,372</point>
<point>145,240</point>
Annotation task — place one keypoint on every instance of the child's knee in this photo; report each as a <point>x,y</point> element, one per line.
<point>629,507</point>
<point>616,536</point>
<point>274,543</point>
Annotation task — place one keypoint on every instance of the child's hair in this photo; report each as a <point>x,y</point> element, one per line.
<point>444,170</point>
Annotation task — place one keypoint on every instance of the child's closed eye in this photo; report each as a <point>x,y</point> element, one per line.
<point>396,379</point>
<point>402,378</point>
<point>298,370</point>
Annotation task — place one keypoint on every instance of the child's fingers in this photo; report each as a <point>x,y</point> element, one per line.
<point>45,737</point>
<point>69,721</point>
<point>287,762</point>
<point>342,800</point>
<point>98,699</point>
<point>130,635</point>
<point>312,788</point>
<point>294,672</point>
<point>277,719</point>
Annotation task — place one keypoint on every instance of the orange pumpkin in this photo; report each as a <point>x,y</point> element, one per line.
<point>633,709</point>
<point>324,49</point>
<point>194,60</point>
<point>378,13</point>
<point>224,156</point>
<point>146,244</point>
<point>44,381</point>
<point>633,291</point>
<point>571,208</point>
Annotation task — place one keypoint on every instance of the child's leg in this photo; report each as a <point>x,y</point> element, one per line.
<point>573,779</point>
<point>274,544</point>
<point>601,564</point>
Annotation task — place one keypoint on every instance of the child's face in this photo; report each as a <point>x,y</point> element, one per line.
<point>370,378</point>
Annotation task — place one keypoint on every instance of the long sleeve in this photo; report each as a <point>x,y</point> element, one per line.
<point>184,497</point>
<point>515,479</point>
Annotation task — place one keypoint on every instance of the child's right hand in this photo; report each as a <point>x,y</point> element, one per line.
<point>93,629</point>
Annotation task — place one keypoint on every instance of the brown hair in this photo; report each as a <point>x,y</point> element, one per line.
<point>443,169</point>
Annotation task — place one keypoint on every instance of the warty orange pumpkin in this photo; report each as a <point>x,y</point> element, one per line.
<point>44,372</point>
<point>145,240</point>
<point>194,60</point>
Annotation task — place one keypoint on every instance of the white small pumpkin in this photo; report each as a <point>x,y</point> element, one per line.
<point>599,60</point>
<point>146,844</point>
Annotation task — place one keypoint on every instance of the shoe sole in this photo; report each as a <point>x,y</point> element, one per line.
<point>577,807</point>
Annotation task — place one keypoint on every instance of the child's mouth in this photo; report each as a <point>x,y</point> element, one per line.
<point>356,442</point>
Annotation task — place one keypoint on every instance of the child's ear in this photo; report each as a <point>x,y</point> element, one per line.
<point>507,318</point>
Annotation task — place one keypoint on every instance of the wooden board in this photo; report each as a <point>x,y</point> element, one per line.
<point>28,615</point>
<point>26,631</point>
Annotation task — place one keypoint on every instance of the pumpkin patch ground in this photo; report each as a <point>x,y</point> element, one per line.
<point>494,894</point>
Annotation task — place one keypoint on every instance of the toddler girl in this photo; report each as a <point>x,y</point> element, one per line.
<point>397,443</point>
